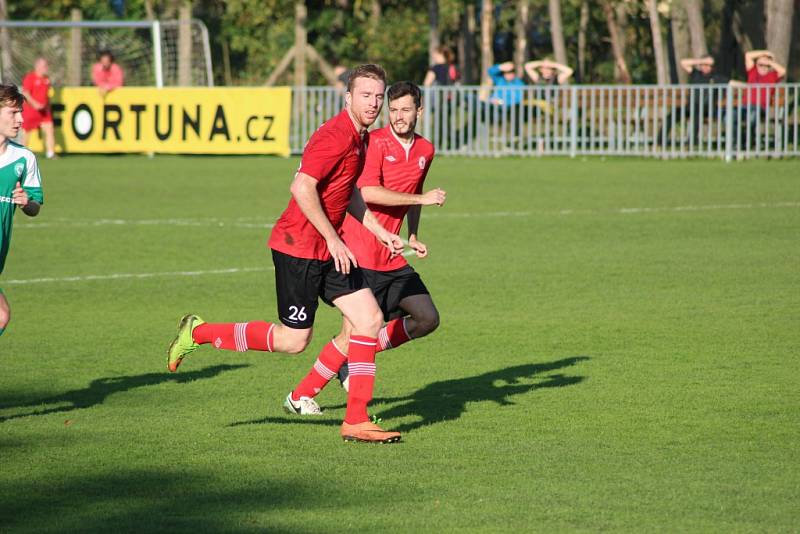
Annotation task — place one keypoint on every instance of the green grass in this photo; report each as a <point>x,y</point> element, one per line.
<point>599,366</point>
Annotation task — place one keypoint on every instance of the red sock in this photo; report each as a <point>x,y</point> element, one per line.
<point>393,334</point>
<point>255,335</point>
<point>325,368</point>
<point>362,378</point>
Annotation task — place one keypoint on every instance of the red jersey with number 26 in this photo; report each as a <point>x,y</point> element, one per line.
<point>334,156</point>
<point>388,165</point>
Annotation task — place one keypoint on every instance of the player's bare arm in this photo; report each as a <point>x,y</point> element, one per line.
<point>376,194</point>
<point>20,198</point>
<point>412,217</point>
<point>35,103</point>
<point>304,191</point>
<point>358,209</point>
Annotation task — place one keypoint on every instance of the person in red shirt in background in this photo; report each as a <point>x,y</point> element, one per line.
<point>106,75</point>
<point>36,112</point>
<point>391,183</point>
<point>756,101</point>
<point>312,262</point>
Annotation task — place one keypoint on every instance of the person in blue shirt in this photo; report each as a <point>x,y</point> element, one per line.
<point>507,86</point>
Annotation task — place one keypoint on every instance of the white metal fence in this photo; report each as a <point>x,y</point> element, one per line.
<point>676,121</point>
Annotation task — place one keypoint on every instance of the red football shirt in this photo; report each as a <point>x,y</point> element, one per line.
<point>387,165</point>
<point>334,156</point>
<point>37,86</point>
<point>751,96</point>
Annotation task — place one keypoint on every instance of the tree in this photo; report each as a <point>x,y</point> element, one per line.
<point>557,32</point>
<point>433,29</point>
<point>521,36</point>
<point>658,45</point>
<point>466,44</point>
<point>679,30</point>
<point>487,33</point>
<point>697,30</point>
<point>617,47</point>
<point>779,28</point>
<point>583,25</point>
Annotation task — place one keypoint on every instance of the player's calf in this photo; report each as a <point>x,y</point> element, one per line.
<point>422,323</point>
<point>5,313</point>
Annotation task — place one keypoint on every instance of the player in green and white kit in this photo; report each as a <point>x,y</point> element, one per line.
<point>20,183</point>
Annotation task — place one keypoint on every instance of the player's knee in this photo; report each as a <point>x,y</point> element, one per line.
<point>297,343</point>
<point>369,323</point>
<point>5,317</point>
<point>427,322</point>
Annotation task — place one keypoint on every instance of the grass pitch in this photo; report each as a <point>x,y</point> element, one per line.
<point>618,351</point>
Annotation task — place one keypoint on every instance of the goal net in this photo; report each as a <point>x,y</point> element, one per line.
<point>166,53</point>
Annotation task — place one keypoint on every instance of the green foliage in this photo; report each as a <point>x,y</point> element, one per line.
<point>257,34</point>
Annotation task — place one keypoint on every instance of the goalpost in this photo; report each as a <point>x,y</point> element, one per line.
<point>159,53</point>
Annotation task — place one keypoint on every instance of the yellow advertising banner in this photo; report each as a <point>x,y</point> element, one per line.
<point>174,120</point>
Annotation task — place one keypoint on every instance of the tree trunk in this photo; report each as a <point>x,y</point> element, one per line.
<point>740,32</point>
<point>583,25</point>
<point>185,45</point>
<point>658,45</point>
<point>487,35</point>
<point>74,64</point>
<point>375,14</point>
<point>557,32</point>
<point>780,14</point>
<point>727,42</point>
<point>466,45</point>
<point>300,41</point>
<point>521,33</point>
<point>5,47</point>
<point>621,23</point>
<point>697,30</point>
<point>433,29</point>
<point>679,26</point>
<point>621,70</point>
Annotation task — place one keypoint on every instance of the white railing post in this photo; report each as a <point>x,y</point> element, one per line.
<point>157,66</point>
<point>729,123</point>
<point>573,123</point>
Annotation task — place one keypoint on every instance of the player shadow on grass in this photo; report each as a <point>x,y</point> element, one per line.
<point>101,388</point>
<point>447,400</point>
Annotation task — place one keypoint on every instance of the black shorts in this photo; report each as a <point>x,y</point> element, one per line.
<point>390,287</point>
<point>299,282</point>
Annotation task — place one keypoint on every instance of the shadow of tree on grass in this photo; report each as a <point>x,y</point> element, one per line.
<point>100,389</point>
<point>130,500</point>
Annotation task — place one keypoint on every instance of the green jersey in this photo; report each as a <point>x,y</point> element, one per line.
<point>17,164</point>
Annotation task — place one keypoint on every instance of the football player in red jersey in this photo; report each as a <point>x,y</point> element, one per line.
<point>391,183</point>
<point>312,262</point>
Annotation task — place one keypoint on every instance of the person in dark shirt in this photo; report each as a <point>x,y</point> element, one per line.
<point>699,103</point>
<point>548,72</point>
<point>443,73</point>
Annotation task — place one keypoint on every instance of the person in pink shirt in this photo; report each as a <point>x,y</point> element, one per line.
<point>106,74</point>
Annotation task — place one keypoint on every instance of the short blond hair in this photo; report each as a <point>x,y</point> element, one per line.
<point>369,70</point>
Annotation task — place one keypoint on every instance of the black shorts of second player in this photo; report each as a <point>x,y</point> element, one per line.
<point>300,282</point>
<point>390,287</point>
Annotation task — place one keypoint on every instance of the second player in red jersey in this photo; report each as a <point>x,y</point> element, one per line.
<point>400,166</point>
